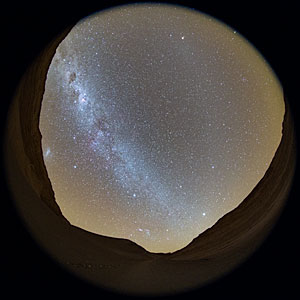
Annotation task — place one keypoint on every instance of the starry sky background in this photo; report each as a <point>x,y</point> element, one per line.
<point>156,121</point>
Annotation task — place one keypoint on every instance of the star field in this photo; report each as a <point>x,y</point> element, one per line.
<point>156,121</point>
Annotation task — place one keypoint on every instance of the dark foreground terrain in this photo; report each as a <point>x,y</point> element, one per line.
<point>120,264</point>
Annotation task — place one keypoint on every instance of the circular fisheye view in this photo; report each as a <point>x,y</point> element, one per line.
<point>159,147</point>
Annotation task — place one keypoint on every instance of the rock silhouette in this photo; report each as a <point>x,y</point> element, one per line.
<point>120,264</point>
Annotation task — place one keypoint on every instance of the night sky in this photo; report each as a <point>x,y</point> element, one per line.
<point>156,121</point>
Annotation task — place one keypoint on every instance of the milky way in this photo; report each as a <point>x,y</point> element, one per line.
<point>156,121</point>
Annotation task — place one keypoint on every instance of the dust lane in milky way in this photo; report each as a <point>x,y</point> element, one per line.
<point>156,121</point>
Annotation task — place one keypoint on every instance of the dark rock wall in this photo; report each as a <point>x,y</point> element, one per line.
<point>255,216</point>
<point>23,134</point>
